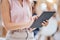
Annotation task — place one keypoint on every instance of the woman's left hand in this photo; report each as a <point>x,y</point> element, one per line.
<point>45,23</point>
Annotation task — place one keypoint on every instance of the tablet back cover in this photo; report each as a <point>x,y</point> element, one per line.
<point>44,16</point>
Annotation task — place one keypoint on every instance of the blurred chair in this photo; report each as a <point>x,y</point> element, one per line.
<point>49,30</point>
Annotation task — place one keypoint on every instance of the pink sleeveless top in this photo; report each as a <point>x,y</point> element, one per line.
<point>19,14</point>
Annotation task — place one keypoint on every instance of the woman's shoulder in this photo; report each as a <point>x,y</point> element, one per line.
<point>4,1</point>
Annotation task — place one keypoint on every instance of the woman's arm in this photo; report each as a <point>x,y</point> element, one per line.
<point>6,18</point>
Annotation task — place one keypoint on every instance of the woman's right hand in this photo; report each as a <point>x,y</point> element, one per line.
<point>27,25</point>
<point>35,17</point>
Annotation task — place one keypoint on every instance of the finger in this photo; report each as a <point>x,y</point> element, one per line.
<point>31,30</point>
<point>33,17</point>
<point>34,28</point>
<point>36,17</point>
<point>46,20</point>
<point>43,24</point>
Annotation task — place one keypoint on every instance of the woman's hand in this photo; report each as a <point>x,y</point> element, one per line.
<point>35,17</point>
<point>27,25</point>
<point>31,29</point>
<point>45,23</point>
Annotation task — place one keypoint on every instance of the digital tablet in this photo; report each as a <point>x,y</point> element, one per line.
<point>46,15</point>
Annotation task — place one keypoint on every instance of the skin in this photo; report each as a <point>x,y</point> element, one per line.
<point>6,17</point>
